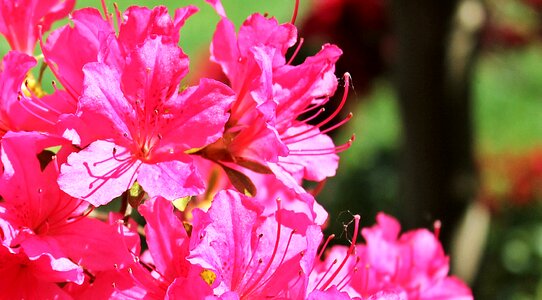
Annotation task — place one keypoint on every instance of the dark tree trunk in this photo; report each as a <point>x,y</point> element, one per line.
<point>432,78</point>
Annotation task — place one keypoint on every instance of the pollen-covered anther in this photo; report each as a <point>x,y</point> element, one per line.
<point>208,276</point>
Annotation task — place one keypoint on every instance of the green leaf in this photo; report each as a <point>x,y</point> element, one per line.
<point>253,166</point>
<point>240,181</point>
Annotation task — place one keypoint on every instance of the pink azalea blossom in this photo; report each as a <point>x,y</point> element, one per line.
<point>253,256</point>
<point>89,29</point>
<point>410,266</point>
<point>144,126</point>
<point>20,108</point>
<point>116,282</point>
<point>272,94</point>
<point>37,278</point>
<point>168,248</point>
<point>38,220</point>
<point>20,20</point>
<point>98,35</point>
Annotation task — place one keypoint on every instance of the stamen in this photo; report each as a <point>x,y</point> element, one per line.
<point>367,274</point>
<point>321,110</point>
<point>344,121</point>
<point>282,259</point>
<point>106,13</point>
<point>348,275</point>
<point>335,261</point>
<point>329,238</point>
<point>253,255</point>
<point>436,227</point>
<point>111,174</point>
<point>296,50</point>
<point>117,14</point>
<point>323,151</point>
<point>296,8</point>
<point>275,249</point>
<point>347,78</point>
<point>350,252</point>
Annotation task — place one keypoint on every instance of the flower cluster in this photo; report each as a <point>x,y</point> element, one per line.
<point>216,170</point>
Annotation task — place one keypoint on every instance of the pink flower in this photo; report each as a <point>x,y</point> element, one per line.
<point>37,278</point>
<point>38,220</point>
<point>253,255</point>
<point>117,282</point>
<point>263,133</point>
<point>389,266</point>
<point>98,36</point>
<point>20,108</point>
<point>144,126</point>
<point>89,29</point>
<point>168,242</point>
<point>21,19</point>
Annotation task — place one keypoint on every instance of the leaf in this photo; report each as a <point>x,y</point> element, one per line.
<point>240,181</point>
<point>181,203</point>
<point>135,195</point>
<point>46,156</point>
<point>253,166</point>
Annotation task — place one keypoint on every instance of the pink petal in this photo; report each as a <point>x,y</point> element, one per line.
<point>141,23</point>
<point>259,30</point>
<point>89,29</point>
<point>98,173</point>
<point>217,5</point>
<point>302,150</point>
<point>332,294</point>
<point>224,238</point>
<point>93,244</point>
<point>20,20</point>
<point>202,109</point>
<point>166,237</point>
<point>296,87</point>
<point>171,179</point>
<point>224,49</point>
<point>153,73</point>
<point>103,105</point>
<point>190,289</point>
<point>449,288</point>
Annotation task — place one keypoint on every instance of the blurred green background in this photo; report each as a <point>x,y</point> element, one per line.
<point>506,101</point>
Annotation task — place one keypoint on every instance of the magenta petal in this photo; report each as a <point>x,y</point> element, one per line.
<point>171,179</point>
<point>259,142</point>
<point>18,273</point>
<point>21,20</point>
<point>449,288</point>
<point>89,29</point>
<point>224,49</point>
<point>182,14</point>
<point>217,5</point>
<point>98,173</point>
<point>48,267</point>
<point>141,23</point>
<point>302,153</point>
<point>15,65</point>
<point>202,109</point>
<point>190,289</point>
<point>93,244</point>
<point>153,73</point>
<point>166,237</point>
<point>225,238</point>
<point>259,30</point>
<point>330,294</point>
<point>296,87</point>
<point>250,253</point>
<point>103,104</point>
